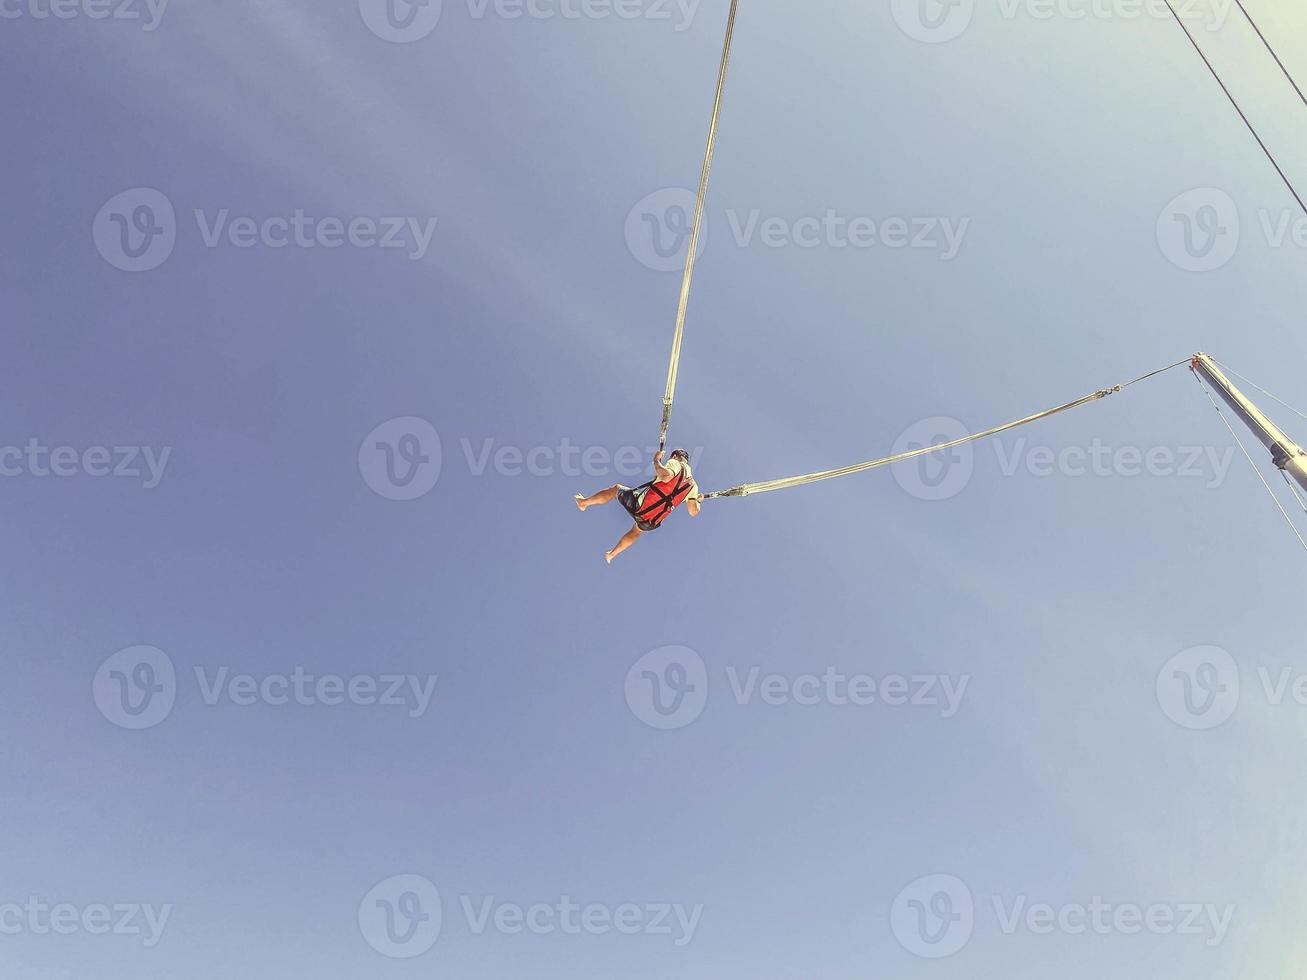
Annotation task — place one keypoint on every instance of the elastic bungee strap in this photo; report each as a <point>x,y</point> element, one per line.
<point>798,481</point>
<point>669,394</point>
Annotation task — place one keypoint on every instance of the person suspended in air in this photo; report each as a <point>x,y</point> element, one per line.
<point>673,484</point>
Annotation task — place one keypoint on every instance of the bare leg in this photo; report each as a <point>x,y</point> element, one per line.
<point>628,539</point>
<point>602,497</point>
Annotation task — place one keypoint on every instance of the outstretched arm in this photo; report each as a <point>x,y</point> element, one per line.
<point>695,503</point>
<point>661,471</point>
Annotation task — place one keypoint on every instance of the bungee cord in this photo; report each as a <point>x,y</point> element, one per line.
<point>785,483</point>
<point>669,394</point>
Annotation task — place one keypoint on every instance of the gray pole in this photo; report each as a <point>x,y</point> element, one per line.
<point>1285,453</point>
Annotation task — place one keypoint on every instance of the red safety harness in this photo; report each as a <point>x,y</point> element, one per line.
<point>667,496</point>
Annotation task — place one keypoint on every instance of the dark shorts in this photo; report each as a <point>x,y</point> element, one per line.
<point>628,499</point>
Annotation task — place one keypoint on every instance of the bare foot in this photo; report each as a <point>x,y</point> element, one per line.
<point>608,557</point>
<point>580,503</point>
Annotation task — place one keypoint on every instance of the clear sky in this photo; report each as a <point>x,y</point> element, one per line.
<point>241,781</point>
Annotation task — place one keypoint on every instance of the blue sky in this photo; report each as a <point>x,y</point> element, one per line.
<point>1049,596</point>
